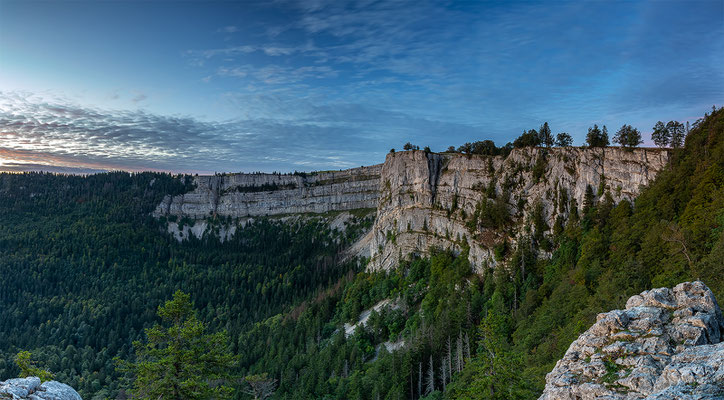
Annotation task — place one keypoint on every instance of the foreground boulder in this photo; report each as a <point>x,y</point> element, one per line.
<point>666,344</point>
<point>30,388</point>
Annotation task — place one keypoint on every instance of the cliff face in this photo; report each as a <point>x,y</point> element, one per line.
<point>666,344</point>
<point>431,199</point>
<point>250,195</point>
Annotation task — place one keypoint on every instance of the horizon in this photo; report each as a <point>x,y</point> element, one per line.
<point>193,87</point>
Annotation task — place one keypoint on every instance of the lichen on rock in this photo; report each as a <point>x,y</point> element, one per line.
<point>666,344</point>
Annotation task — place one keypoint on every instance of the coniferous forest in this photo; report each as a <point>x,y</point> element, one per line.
<point>84,269</point>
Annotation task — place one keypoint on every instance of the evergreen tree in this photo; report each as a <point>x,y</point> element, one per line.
<point>564,140</point>
<point>546,137</point>
<point>28,368</point>
<point>676,133</point>
<point>597,137</point>
<point>628,136</point>
<point>181,361</point>
<point>660,135</point>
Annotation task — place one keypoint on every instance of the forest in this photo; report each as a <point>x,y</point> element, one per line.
<point>84,269</point>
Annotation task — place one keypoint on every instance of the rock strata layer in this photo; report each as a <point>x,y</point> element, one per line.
<point>251,195</point>
<point>666,345</point>
<point>428,199</point>
<point>424,199</point>
<point>31,388</point>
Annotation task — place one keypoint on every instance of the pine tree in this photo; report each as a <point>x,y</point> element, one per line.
<point>564,140</point>
<point>180,361</point>
<point>546,137</point>
<point>660,136</point>
<point>628,137</point>
<point>597,137</point>
<point>676,133</point>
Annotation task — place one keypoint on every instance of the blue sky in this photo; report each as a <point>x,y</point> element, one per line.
<point>190,86</point>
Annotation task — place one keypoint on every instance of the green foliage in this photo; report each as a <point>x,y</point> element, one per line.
<point>84,255</point>
<point>180,360</point>
<point>628,137</point>
<point>540,167</point>
<point>660,135</point>
<point>83,267</point>
<point>597,137</point>
<point>28,368</point>
<point>563,139</point>
<point>546,137</point>
<point>529,138</point>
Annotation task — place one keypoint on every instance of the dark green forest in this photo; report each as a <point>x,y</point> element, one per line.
<point>83,269</point>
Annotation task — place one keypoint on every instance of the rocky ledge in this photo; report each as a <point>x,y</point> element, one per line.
<point>666,344</point>
<point>32,389</point>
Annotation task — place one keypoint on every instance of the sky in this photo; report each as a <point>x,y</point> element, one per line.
<point>230,86</point>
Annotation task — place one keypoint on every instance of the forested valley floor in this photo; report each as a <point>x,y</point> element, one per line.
<point>84,267</point>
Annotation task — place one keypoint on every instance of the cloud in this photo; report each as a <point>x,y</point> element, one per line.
<point>228,29</point>
<point>139,98</point>
<point>39,132</point>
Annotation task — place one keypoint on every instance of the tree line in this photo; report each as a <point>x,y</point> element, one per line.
<point>670,134</point>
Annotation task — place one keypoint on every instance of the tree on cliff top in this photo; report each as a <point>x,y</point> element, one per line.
<point>181,361</point>
<point>597,137</point>
<point>628,137</point>
<point>545,135</point>
<point>564,140</point>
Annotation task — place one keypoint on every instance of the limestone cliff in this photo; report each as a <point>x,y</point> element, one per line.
<point>250,195</point>
<point>429,199</point>
<point>426,200</point>
<point>666,345</point>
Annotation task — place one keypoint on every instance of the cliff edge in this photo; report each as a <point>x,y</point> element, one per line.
<point>667,344</point>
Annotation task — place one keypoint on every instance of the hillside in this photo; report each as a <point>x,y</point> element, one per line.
<point>490,267</point>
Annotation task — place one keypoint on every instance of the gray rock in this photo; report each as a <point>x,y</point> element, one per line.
<point>665,345</point>
<point>30,388</point>
<point>19,387</point>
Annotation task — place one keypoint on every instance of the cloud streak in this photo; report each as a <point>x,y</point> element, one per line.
<point>35,132</point>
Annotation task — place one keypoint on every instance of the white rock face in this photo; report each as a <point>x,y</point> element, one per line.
<point>667,344</point>
<point>422,199</point>
<point>426,199</point>
<point>250,195</point>
<point>30,388</point>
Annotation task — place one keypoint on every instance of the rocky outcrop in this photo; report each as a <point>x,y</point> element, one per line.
<point>250,195</point>
<point>423,199</point>
<point>429,199</point>
<point>32,389</point>
<point>667,344</point>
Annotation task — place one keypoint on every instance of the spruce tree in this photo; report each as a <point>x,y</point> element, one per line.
<point>660,136</point>
<point>180,361</point>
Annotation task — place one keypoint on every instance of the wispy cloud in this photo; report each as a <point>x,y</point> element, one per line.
<point>35,131</point>
<point>139,98</point>
<point>228,29</point>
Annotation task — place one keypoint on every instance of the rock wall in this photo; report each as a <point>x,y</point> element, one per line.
<point>666,345</point>
<point>427,199</point>
<point>250,195</point>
